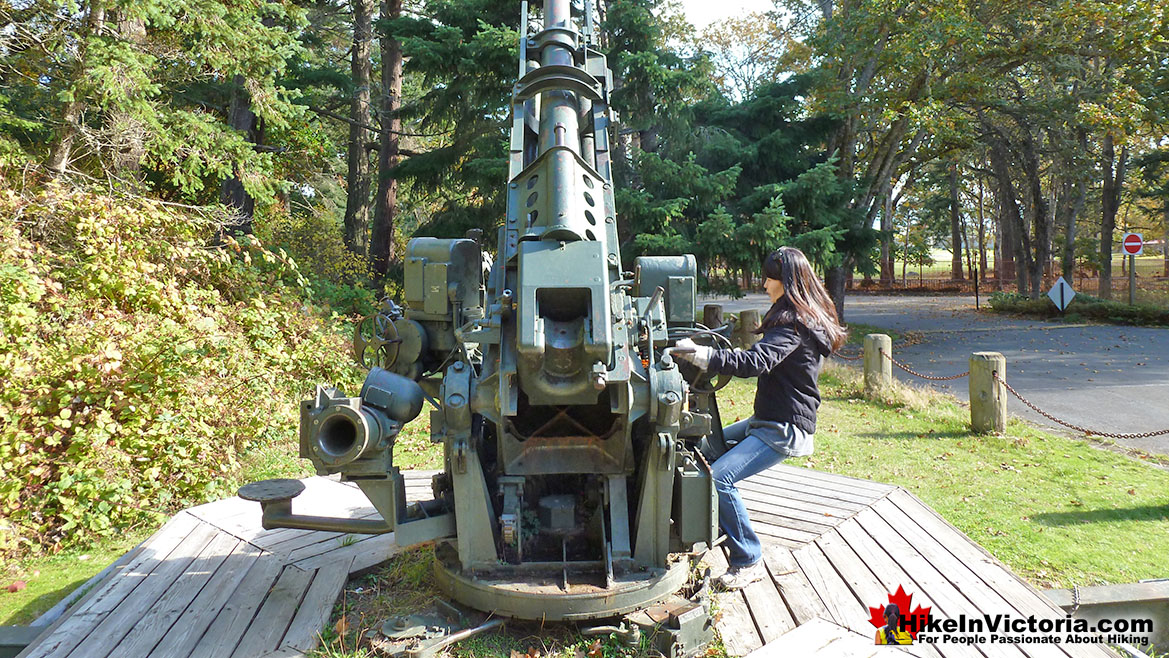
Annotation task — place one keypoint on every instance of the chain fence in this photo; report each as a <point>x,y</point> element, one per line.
<point>1090,432</point>
<point>918,374</point>
<point>1041,412</point>
<point>849,357</point>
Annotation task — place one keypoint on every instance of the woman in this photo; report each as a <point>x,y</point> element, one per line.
<point>798,331</point>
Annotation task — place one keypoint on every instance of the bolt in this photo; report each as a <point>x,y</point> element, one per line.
<point>458,366</point>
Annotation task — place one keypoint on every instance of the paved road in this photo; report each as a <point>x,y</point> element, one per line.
<point>1113,379</point>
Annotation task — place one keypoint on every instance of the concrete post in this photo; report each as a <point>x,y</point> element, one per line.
<point>988,398</point>
<point>878,368</point>
<point>748,322</point>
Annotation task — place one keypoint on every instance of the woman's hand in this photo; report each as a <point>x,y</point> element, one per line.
<point>688,350</point>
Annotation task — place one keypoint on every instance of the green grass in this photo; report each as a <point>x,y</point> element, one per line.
<point>51,578</point>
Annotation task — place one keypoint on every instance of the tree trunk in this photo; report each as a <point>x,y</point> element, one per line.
<point>1110,203</point>
<point>981,232</point>
<point>834,280</point>
<point>887,240</point>
<point>62,147</point>
<point>361,67</point>
<point>386,208</point>
<point>1040,214</point>
<point>1014,232</point>
<point>955,227</point>
<point>232,193</point>
<point>125,132</point>
<point>1165,246</point>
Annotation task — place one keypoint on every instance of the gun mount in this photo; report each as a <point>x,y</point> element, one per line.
<point>573,485</point>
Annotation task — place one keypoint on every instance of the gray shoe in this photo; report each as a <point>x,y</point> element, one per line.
<point>739,577</point>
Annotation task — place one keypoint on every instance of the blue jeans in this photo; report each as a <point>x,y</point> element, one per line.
<point>748,457</point>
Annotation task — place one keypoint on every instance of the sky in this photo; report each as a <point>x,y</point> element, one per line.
<point>704,12</point>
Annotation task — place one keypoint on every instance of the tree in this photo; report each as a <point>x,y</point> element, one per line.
<point>361,68</point>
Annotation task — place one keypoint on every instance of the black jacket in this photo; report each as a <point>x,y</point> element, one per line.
<point>787,362</point>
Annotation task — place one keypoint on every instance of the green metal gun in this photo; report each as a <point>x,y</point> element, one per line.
<point>573,486</point>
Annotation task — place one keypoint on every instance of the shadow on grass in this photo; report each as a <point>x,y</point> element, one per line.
<point>909,436</point>
<point>1145,513</point>
<point>29,612</point>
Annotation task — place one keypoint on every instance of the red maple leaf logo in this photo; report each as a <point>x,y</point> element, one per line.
<point>911,622</point>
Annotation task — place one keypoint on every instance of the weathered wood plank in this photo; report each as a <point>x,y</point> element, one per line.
<point>844,607</point>
<point>820,638</point>
<point>186,631</point>
<point>305,632</point>
<point>759,512</point>
<point>734,622</point>
<point>792,510</point>
<point>898,562</point>
<point>801,487</point>
<point>75,627</point>
<point>114,626</point>
<point>975,580</point>
<point>236,615</point>
<point>876,546</point>
<point>797,592</point>
<point>799,497</point>
<point>146,632</point>
<point>797,472</point>
<point>368,552</point>
<point>272,620</point>
<point>768,610</point>
<point>860,579</point>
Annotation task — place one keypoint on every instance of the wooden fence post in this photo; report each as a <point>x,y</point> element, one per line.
<point>712,316</point>
<point>748,322</point>
<point>878,368</point>
<point>988,397</point>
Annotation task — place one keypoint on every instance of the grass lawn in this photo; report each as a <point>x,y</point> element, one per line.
<point>1056,510</point>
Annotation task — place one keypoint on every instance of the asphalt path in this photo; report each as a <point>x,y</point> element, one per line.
<point>1105,378</point>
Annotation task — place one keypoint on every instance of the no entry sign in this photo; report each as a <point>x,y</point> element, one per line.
<point>1132,244</point>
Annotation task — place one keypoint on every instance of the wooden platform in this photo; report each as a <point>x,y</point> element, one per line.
<point>211,583</point>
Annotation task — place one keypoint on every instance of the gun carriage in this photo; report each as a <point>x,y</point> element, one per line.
<point>573,485</point>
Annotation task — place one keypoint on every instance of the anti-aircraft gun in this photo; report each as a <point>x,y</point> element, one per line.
<point>573,487</point>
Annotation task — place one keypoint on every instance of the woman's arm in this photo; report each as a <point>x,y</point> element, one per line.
<point>775,346</point>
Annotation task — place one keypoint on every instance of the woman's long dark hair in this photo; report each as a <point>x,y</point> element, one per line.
<point>804,300</point>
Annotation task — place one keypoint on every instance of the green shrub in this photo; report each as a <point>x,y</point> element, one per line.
<point>1082,307</point>
<point>141,364</point>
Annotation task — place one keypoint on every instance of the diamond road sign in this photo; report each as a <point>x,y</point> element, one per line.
<point>1061,294</point>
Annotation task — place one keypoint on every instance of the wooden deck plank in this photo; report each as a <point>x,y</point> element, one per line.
<point>898,563</point>
<point>734,622</point>
<point>820,638</point>
<point>367,553</point>
<point>115,625</point>
<point>768,611</point>
<point>236,615</point>
<point>78,624</point>
<point>861,580</point>
<point>991,571</point>
<point>803,498</point>
<point>800,487</point>
<point>974,579</point>
<point>786,509</point>
<point>797,592</point>
<point>272,620</point>
<point>799,472</point>
<point>844,607</point>
<point>182,636</point>
<point>305,632</point>
<point>807,528</point>
<point>153,625</point>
